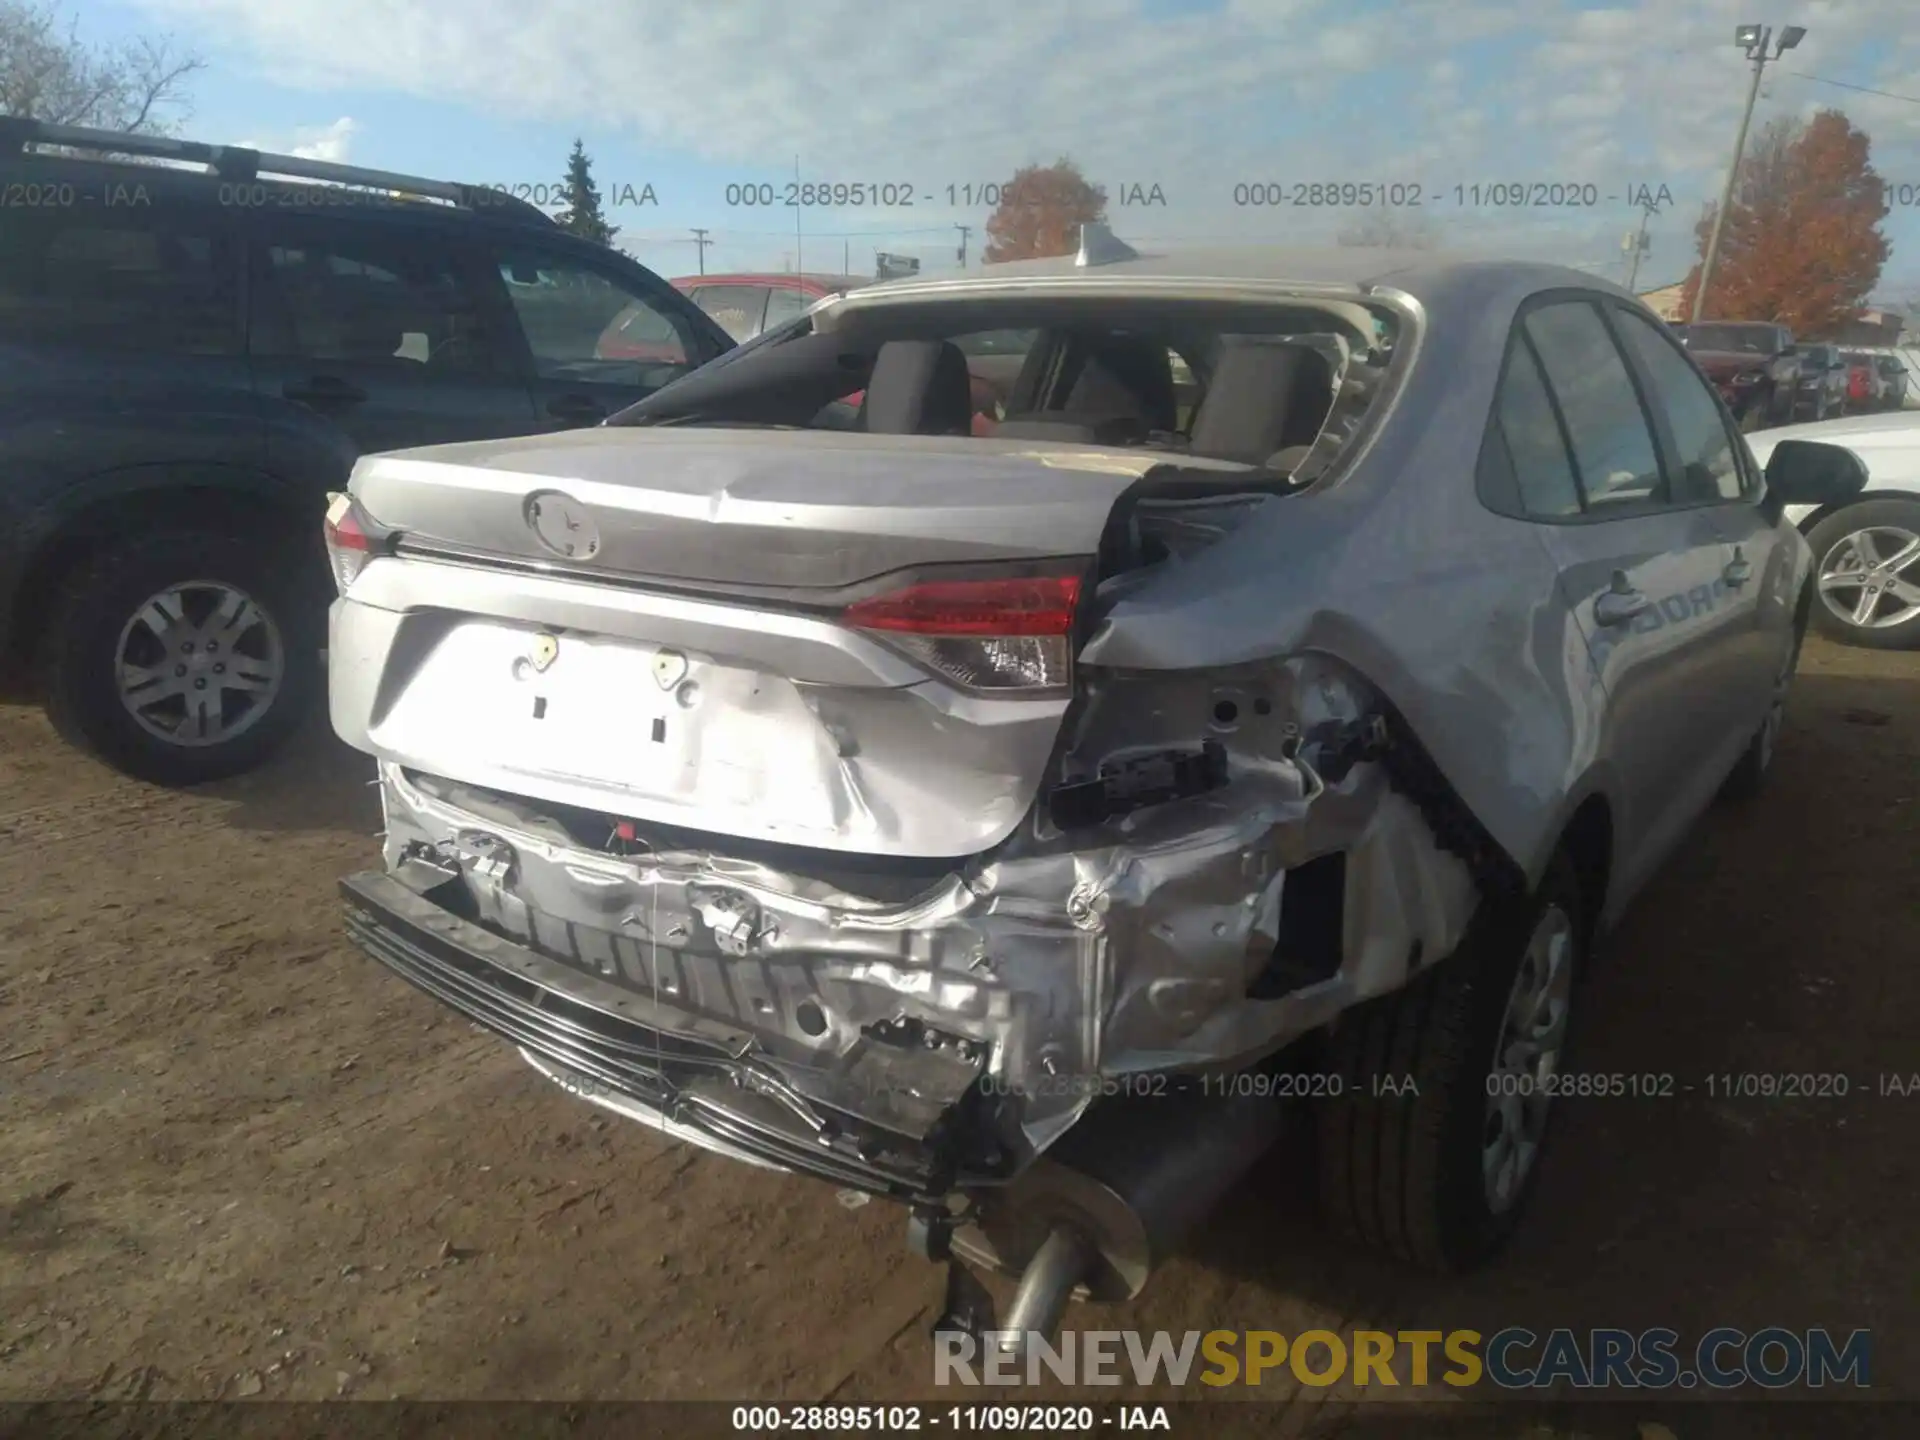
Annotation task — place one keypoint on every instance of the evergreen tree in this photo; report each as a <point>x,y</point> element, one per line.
<point>582,214</point>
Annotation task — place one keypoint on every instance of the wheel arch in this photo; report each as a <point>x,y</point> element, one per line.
<point>1825,512</point>
<point>132,501</point>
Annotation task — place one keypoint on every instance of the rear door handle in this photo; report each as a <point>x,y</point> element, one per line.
<point>323,390</point>
<point>1618,607</point>
<point>1739,569</point>
<point>577,409</point>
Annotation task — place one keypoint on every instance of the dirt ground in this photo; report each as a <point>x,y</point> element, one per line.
<point>238,1159</point>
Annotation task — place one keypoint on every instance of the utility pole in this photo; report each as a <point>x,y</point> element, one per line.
<point>701,242</point>
<point>965,231</point>
<point>1754,39</point>
<point>1637,244</point>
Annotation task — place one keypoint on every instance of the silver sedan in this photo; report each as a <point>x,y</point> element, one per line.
<point>981,810</point>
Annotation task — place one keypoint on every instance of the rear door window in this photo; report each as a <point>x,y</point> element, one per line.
<point>1708,469</point>
<point>370,299</point>
<point>1614,455</point>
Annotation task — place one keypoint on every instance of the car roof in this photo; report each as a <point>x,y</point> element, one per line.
<point>1422,274</point>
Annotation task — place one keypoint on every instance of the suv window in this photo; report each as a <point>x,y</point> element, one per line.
<point>370,299</point>
<point>737,309</point>
<point>172,289</point>
<point>1709,469</point>
<point>1613,450</point>
<point>1524,459</point>
<point>581,325</point>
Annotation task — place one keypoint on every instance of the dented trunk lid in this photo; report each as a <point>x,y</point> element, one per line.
<point>791,510</point>
<point>690,664</point>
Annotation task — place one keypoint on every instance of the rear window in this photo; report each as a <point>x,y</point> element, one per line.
<point>151,288</point>
<point>1060,371</point>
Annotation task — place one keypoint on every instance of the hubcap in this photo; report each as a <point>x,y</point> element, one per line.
<point>1526,1058</point>
<point>199,663</point>
<point>1871,579</point>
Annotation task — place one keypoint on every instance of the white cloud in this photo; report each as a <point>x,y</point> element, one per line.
<point>1448,91</point>
<point>312,142</point>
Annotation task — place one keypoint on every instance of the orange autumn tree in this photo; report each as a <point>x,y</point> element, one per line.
<point>1802,245</point>
<point>1041,211</point>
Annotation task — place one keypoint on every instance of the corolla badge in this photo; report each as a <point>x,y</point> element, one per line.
<point>562,524</point>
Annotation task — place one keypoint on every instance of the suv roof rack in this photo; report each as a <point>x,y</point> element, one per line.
<point>236,162</point>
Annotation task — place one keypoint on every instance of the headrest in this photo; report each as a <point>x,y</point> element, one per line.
<point>919,387</point>
<point>1267,394</point>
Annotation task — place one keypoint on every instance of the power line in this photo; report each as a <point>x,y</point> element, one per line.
<point>1862,89</point>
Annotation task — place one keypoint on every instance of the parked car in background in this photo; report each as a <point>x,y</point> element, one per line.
<point>1754,366</point>
<point>194,354</point>
<point>1867,550</point>
<point>745,305</point>
<point>1893,371</point>
<point>972,822</point>
<point>1822,388</point>
<point>1900,372</point>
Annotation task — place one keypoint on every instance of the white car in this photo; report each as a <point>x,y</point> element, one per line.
<point>1868,549</point>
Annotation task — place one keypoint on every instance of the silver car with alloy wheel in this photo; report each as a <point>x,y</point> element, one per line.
<point>1867,548</point>
<point>1011,815</point>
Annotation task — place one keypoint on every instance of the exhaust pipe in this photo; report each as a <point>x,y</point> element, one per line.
<point>1095,1215</point>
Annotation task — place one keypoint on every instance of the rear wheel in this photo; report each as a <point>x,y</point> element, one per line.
<point>1867,574</point>
<point>1430,1148</point>
<point>180,658</point>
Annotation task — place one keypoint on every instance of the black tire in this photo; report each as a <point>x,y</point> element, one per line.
<point>81,652</point>
<point>1754,417</point>
<point>1401,1171</point>
<point>1894,511</point>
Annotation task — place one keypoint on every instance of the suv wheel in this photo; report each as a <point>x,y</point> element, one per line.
<point>1867,574</point>
<point>179,658</point>
<point>1430,1145</point>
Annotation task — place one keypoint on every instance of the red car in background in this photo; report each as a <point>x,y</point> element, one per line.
<point>744,305</point>
<point>1864,385</point>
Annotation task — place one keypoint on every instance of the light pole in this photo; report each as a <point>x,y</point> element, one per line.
<point>1753,39</point>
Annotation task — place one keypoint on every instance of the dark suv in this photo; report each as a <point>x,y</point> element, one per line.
<point>192,355</point>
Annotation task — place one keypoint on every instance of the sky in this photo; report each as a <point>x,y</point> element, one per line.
<point>1189,112</point>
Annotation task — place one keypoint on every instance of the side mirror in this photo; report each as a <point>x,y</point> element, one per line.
<point>1808,472</point>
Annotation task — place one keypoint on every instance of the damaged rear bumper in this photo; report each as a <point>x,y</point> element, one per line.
<point>919,1028</point>
<point>690,1075</point>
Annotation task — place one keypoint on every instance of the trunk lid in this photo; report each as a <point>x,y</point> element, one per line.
<point>776,509</point>
<point>707,657</point>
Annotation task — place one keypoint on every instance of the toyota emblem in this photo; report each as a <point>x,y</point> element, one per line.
<point>562,524</point>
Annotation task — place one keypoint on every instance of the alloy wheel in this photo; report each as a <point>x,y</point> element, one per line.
<point>1526,1059</point>
<point>1871,578</point>
<point>200,663</point>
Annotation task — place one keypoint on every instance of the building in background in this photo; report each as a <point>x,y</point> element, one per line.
<point>1665,301</point>
<point>1874,327</point>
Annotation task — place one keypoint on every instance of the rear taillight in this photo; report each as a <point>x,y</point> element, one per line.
<point>993,634</point>
<point>351,540</point>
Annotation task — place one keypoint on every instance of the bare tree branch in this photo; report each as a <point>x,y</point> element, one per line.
<point>47,72</point>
